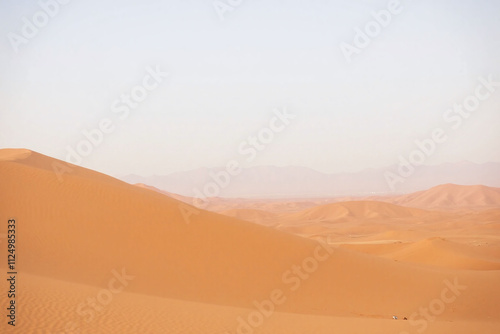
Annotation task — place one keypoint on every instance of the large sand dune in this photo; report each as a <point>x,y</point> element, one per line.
<point>192,271</point>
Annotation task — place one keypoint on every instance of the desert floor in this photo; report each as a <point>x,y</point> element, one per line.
<point>97,255</point>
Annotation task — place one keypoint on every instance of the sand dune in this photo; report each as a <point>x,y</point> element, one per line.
<point>348,219</point>
<point>453,196</point>
<point>356,209</point>
<point>443,253</point>
<point>52,307</point>
<point>435,251</point>
<point>77,233</point>
<point>255,216</point>
<point>374,220</point>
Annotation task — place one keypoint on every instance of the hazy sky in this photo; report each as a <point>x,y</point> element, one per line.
<point>227,76</point>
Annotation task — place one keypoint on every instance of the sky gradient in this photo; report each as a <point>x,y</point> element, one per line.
<point>225,78</point>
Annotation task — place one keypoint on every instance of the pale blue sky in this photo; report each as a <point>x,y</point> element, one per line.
<point>227,76</point>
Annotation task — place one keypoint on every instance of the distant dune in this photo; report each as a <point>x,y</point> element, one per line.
<point>356,209</point>
<point>196,271</point>
<point>453,196</point>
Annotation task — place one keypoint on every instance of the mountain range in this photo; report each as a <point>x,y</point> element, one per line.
<point>296,182</point>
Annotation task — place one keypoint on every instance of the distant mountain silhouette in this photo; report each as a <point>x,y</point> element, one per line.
<point>293,181</point>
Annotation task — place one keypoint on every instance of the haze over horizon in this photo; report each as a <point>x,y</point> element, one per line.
<point>225,78</point>
<point>353,171</point>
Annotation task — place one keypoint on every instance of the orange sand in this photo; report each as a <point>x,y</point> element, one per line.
<point>195,271</point>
